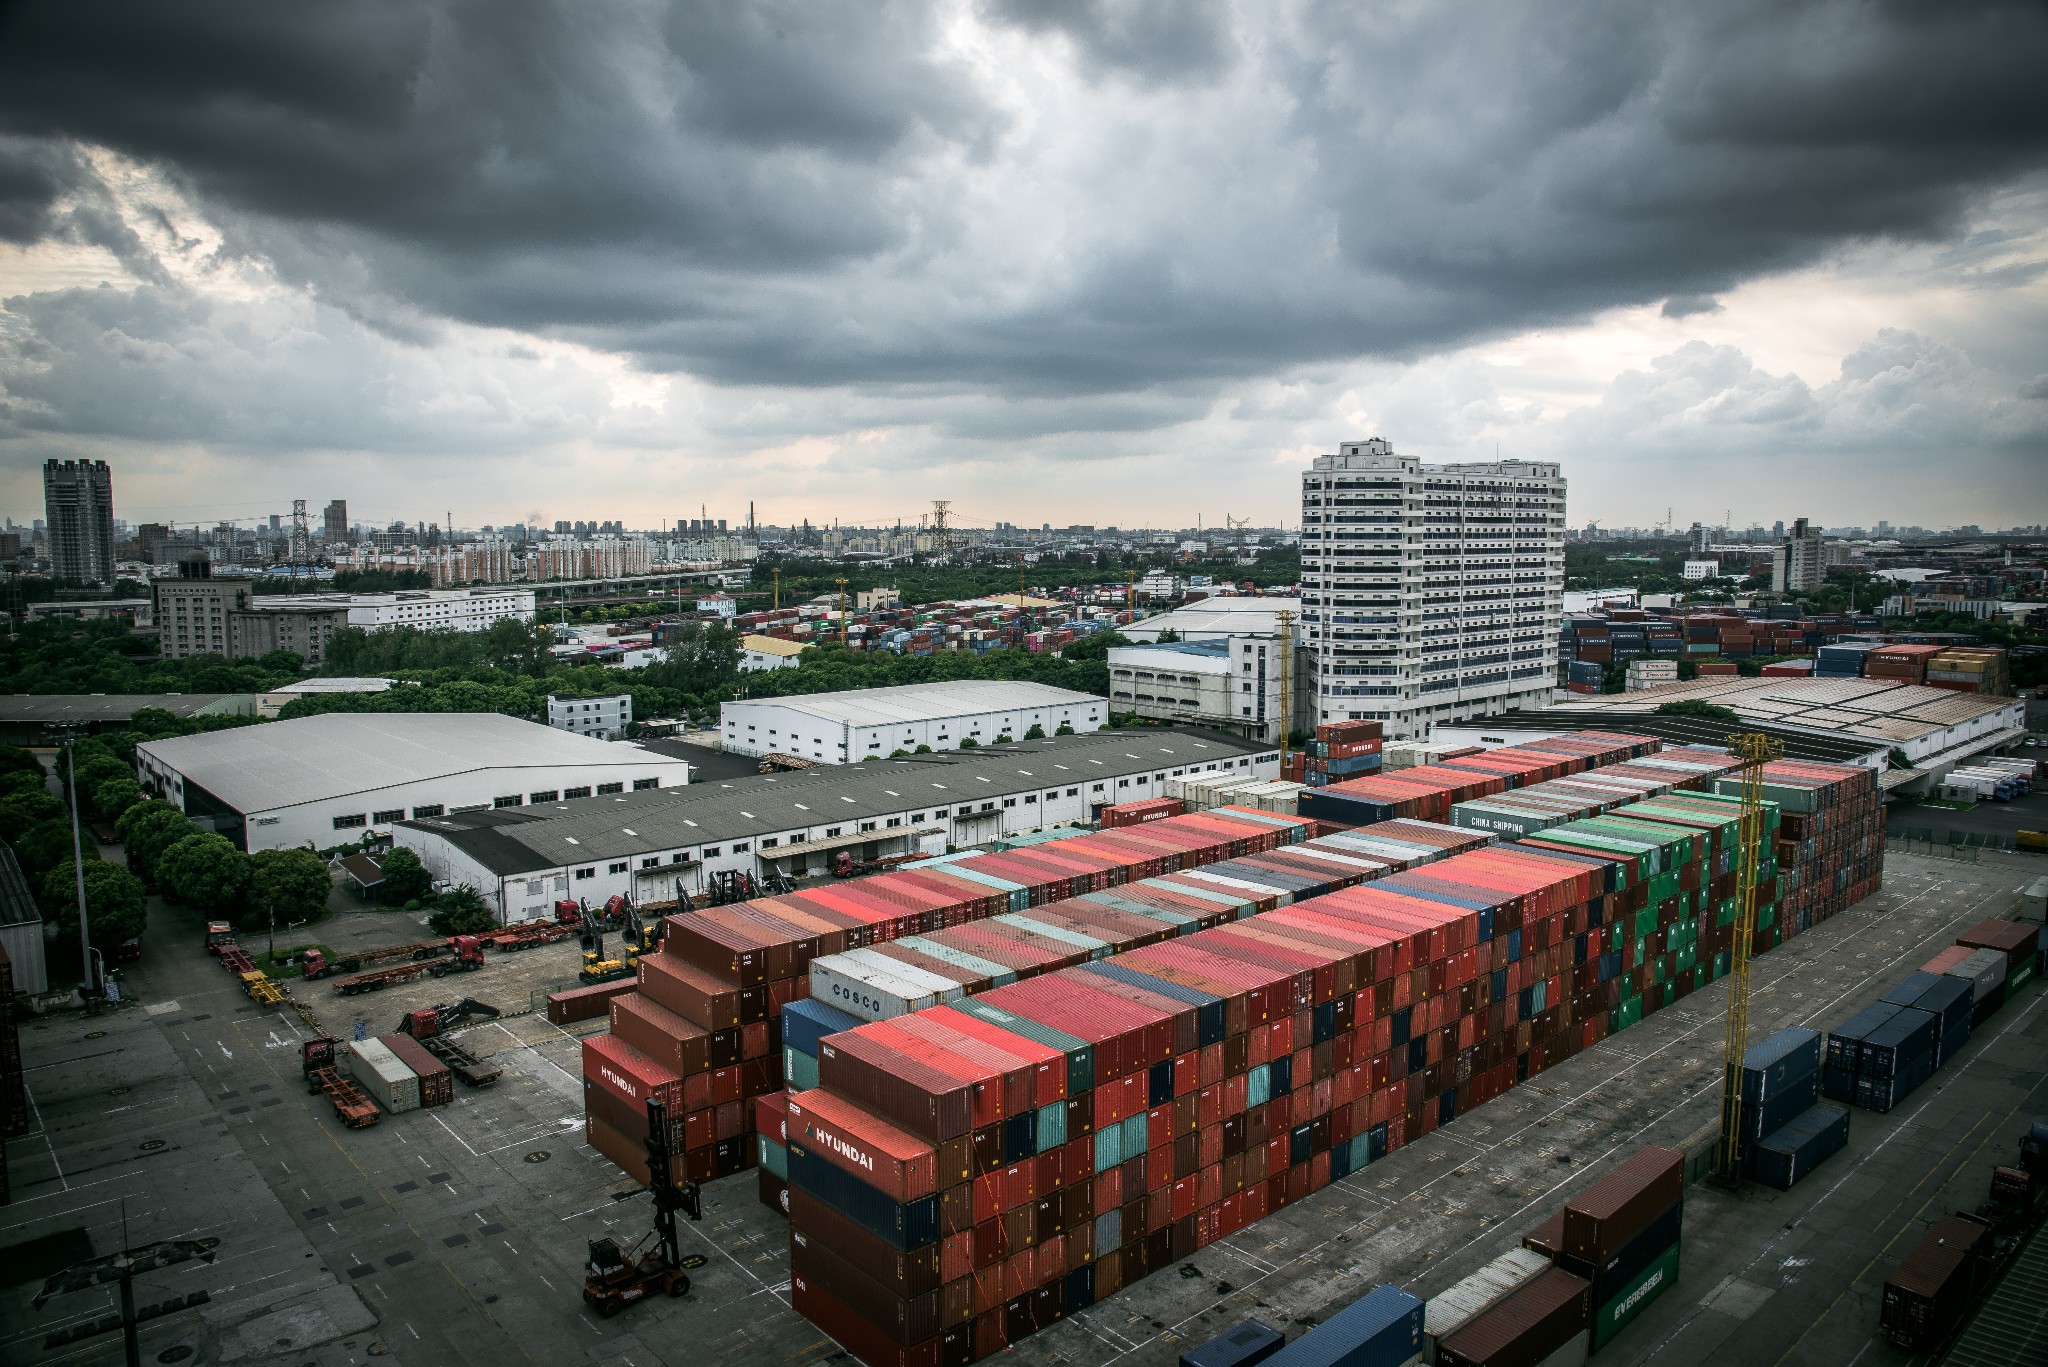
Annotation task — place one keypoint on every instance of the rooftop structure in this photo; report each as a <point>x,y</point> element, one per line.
<point>327,780</point>
<point>846,727</point>
<point>644,843</point>
<point>42,718</point>
<point>1216,619</point>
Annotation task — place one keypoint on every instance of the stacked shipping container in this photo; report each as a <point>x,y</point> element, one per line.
<point>1027,1151</point>
<point>718,985</point>
<point>1428,792</point>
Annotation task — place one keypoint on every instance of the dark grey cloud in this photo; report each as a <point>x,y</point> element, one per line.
<point>1138,196</point>
<point>1689,305</point>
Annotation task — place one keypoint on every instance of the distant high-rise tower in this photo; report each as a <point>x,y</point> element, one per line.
<point>78,500</point>
<point>337,520</point>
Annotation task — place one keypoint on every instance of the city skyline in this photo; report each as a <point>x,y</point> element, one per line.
<point>1116,265</point>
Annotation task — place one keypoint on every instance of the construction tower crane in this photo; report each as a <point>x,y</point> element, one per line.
<point>1755,750</point>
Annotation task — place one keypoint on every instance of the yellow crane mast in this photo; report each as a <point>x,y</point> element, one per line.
<point>1755,750</point>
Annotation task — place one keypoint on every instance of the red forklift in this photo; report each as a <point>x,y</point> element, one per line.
<point>618,1277</point>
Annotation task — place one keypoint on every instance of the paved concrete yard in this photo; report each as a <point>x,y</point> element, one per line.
<point>462,1230</point>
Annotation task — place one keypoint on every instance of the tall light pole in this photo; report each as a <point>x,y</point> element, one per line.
<point>78,870</point>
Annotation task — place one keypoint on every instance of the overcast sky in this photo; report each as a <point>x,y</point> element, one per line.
<point>1128,262</point>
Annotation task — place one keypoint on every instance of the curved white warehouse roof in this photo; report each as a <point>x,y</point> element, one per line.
<point>286,763</point>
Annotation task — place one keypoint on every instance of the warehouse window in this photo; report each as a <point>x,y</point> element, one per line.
<point>1095,787</point>
<point>509,800</point>
<point>1073,792</point>
<point>711,851</point>
<point>770,842</point>
<point>1031,799</point>
<point>1123,783</point>
<point>550,796</point>
<point>430,809</point>
<point>740,848</point>
<point>654,863</point>
<point>606,789</point>
<point>342,823</point>
<point>586,873</point>
<point>988,806</point>
<point>568,793</point>
<point>831,831</point>
<point>641,785</point>
<point>1009,802</point>
<point>394,814</point>
<point>619,867</point>
<point>680,857</point>
<point>867,825</point>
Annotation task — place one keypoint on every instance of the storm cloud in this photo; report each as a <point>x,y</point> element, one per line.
<point>1014,219</point>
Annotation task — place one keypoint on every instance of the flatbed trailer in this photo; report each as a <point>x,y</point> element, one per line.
<point>469,1070</point>
<point>467,957</point>
<point>351,1107</point>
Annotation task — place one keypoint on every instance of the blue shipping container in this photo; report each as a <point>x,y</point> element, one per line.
<point>806,1021</point>
<point>1911,989</point>
<point>1778,1062</point>
<point>1243,1345</point>
<point>1890,1048</point>
<point>1783,1158</point>
<point>1845,1041</point>
<point>1383,1328</point>
<point>1763,1117</point>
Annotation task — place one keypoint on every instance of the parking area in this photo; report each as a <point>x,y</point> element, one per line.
<point>458,1235</point>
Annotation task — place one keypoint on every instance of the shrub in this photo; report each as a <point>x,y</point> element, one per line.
<point>405,878</point>
<point>1036,732</point>
<point>461,911</point>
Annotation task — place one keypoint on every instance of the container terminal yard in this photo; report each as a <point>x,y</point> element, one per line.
<point>461,1231</point>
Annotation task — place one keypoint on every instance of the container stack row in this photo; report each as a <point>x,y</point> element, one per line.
<point>1342,750</point>
<point>1620,1239</point>
<point>1428,792</point>
<point>703,1016</point>
<point>1052,1140</point>
<point>1540,806</point>
<point>1830,837</point>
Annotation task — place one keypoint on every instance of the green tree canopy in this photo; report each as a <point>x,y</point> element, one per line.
<point>21,811</point>
<point>205,871</point>
<point>147,830</point>
<point>115,796</point>
<point>115,908</point>
<point>44,846</point>
<point>293,883</point>
<point>405,878</point>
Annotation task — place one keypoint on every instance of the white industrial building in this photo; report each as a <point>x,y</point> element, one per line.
<point>647,845</point>
<point>604,718</point>
<point>1430,593</point>
<point>447,609</point>
<point>872,723</point>
<point>328,780</point>
<point>1233,684</point>
<point>768,652</point>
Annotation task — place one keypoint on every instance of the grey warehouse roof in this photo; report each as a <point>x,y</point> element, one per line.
<point>90,707</point>
<point>531,839</point>
<point>314,759</point>
<point>1677,730</point>
<point>927,701</point>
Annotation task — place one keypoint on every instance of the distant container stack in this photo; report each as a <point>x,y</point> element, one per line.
<point>1787,1131</point>
<point>1342,750</point>
<point>1428,792</point>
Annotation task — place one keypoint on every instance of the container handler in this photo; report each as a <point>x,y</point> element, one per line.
<point>432,1020</point>
<point>617,1277</point>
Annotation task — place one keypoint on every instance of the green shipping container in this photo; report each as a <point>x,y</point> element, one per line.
<point>2019,977</point>
<point>1620,1310</point>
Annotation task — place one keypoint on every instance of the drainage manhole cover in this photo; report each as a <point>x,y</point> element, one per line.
<point>693,1261</point>
<point>538,1156</point>
<point>95,1034</point>
<point>177,1352</point>
<point>150,1145</point>
<point>117,1091</point>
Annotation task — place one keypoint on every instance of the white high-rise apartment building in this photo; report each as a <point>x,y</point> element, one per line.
<point>1430,593</point>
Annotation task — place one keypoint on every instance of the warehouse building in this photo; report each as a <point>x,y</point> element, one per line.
<point>329,780</point>
<point>872,723</point>
<point>647,844</point>
<point>1217,619</point>
<point>768,652</point>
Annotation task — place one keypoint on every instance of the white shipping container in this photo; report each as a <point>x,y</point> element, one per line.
<point>378,1072</point>
<point>2034,901</point>
<point>1451,1311</point>
<point>863,989</point>
<point>1984,970</point>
